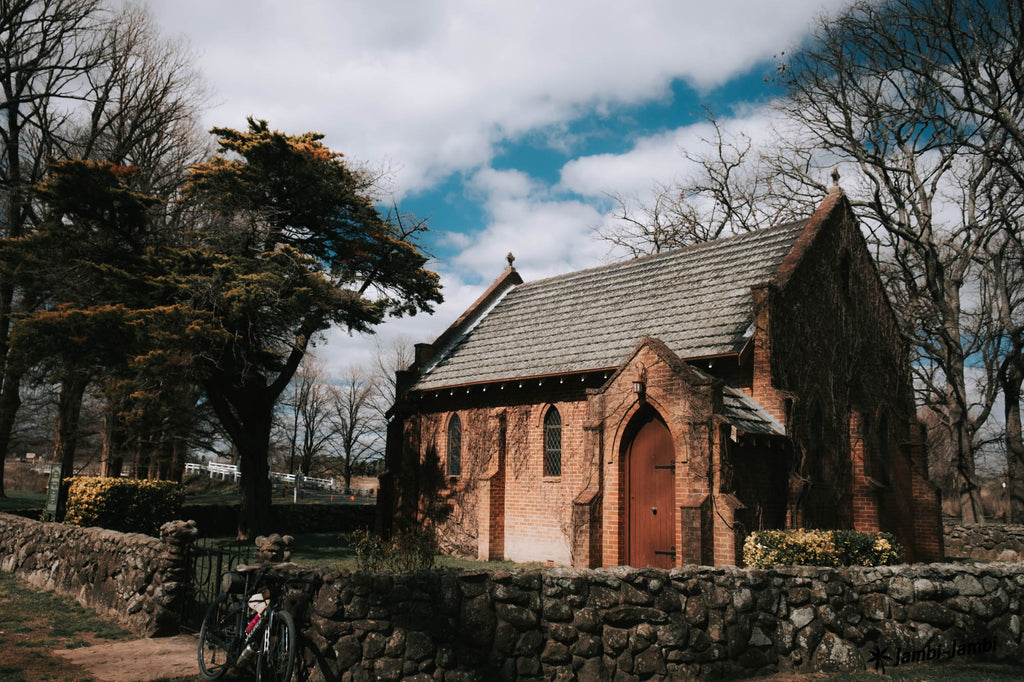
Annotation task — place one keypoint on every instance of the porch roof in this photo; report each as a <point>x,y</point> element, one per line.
<point>747,415</point>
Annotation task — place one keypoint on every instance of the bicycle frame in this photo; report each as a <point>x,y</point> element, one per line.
<point>231,629</point>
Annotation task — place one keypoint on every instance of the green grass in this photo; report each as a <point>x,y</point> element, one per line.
<point>953,671</point>
<point>22,499</point>
<point>331,550</point>
<point>33,623</point>
<point>204,490</point>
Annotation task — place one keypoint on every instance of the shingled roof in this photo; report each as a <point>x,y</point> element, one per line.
<point>697,300</point>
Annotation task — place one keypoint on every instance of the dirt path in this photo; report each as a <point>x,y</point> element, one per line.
<point>140,660</point>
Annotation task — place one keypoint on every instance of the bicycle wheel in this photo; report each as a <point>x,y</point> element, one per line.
<point>277,660</point>
<point>218,637</point>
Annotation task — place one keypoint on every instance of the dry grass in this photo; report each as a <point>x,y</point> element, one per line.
<point>18,476</point>
<point>994,500</point>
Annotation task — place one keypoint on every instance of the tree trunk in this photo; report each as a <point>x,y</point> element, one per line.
<point>1012,378</point>
<point>348,470</point>
<point>138,462</point>
<point>971,509</point>
<point>960,426</point>
<point>247,414</point>
<point>69,408</point>
<point>254,512</point>
<point>10,401</point>
<point>107,456</point>
<point>177,460</point>
<point>12,210</point>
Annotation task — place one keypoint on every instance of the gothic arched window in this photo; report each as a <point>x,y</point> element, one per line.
<point>552,443</point>
<point>455,446</point>
<point>884,450</point>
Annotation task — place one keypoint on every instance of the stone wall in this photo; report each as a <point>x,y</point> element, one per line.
<point>994,541</point>
<point>604,624</point>
<point>622,624</point>
<point>134,578</point>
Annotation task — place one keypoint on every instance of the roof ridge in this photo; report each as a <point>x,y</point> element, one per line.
<point>698,246</point>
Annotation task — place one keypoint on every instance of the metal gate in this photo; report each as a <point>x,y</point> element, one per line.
<point>205,562</point>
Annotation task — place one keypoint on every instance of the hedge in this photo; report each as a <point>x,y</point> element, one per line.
<point>800,547</point>
<point>123,504</point>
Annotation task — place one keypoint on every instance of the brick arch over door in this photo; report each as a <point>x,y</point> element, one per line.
<point>649,518</point>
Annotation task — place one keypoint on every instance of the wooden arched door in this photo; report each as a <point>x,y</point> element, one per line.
<point>650,489</point>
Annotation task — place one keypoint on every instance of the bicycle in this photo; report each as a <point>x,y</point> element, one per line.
<point>246,623</point>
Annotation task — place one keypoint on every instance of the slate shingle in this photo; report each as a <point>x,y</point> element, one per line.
<point>697,300</point>
<point>745,414</point>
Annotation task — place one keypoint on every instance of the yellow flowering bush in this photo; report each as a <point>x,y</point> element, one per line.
<point>127,505</point>
<point>802,547</point>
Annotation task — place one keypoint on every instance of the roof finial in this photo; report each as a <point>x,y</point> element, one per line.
<point>510,258</point>
<point>836,189</point>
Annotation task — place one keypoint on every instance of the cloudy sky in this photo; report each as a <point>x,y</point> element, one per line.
<point>506,123</point>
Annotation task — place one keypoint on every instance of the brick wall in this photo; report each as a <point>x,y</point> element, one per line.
<point>830,306</point>
<point>864,499</point>
<point>502,505</point>
<point>826,359</point>
<point>683,400</point>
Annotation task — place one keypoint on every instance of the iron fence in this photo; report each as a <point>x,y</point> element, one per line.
<point>205,562</point>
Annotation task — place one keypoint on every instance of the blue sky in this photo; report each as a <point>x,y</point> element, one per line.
<point>506,123</point>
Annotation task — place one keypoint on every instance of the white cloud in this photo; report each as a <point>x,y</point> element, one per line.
<point>658,158</point>
<point>547,234</point>
<point>431,87</point>
<point>551,233</point>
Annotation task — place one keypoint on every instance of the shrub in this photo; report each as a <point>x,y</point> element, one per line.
<point>800,547</point>
<point>407,550</point>
<point>123,504</point>
<point>867,549</point>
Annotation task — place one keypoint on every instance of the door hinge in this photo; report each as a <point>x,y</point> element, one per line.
<point>671,466</point>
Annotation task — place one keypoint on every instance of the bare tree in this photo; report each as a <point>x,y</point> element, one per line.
<point>141,105</point>
<point>921,104</point>
<point>306,418</point>
<point>728,191</point>
<point>1001,327</point>
<point>357,426</point>
<point>80,81</point>
<point>884,88</point>
<point>47,45</point>
<point>387,360</point>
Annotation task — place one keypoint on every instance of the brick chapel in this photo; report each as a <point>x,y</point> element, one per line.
<point>655,411</point>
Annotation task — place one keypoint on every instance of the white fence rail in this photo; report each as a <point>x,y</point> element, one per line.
<point>226,471</point>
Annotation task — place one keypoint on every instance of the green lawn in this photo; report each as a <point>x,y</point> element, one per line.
<point>33,623</point>
<point>331,550</point>
<point>22,499</point>
<point>954,671</point>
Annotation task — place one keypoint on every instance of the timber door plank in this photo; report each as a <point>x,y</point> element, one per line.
<point>652,497</point>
